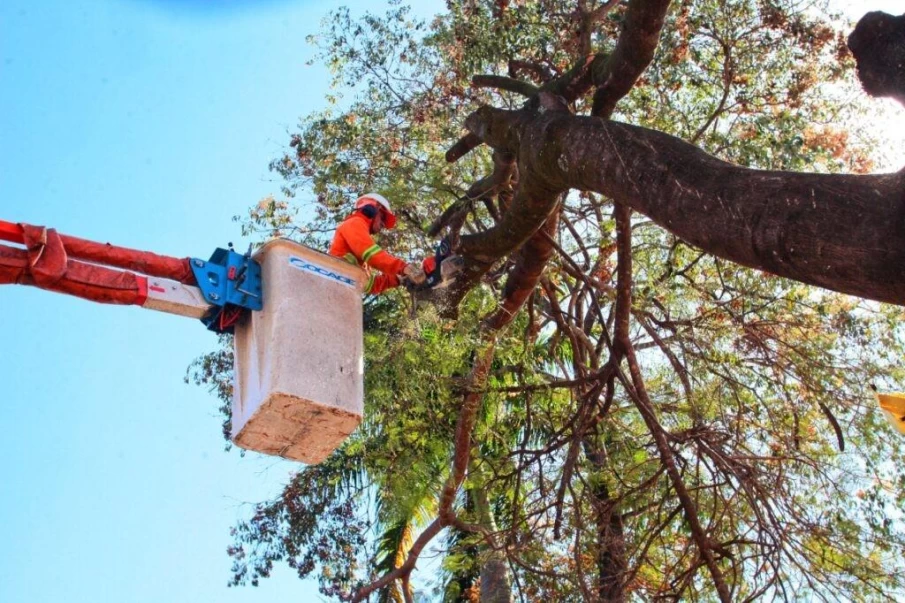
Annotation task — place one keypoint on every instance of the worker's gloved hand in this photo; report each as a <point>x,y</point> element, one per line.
<point>429,264</point>
<point>414,274</point>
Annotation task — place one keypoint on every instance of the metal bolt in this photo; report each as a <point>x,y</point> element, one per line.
<point>199,263</point>
<point>214,296</point>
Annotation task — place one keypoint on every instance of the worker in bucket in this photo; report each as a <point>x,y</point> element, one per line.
<point>353,241</point>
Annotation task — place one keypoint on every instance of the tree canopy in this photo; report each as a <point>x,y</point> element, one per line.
<point>633,390</point>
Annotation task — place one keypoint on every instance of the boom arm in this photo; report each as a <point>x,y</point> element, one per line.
<point>216,291</point>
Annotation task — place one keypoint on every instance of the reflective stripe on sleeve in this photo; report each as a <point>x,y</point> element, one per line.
<point>370,284</point>
<point>370,252</point>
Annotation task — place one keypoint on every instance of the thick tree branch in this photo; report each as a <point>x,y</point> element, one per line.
<point>501,82</point>
<point>504,177</point>
<point>611,560</point>
<point>465,145</point>
<point>406,568</point>
<point>575,82</point>
<point>449,215</point>
<point>841,232</point>
<point>529,265</point>
<point>465,425</point>
<point>480,252</point>
<point>587,21</point>
<point>634,51</point>
<point>540,72</point>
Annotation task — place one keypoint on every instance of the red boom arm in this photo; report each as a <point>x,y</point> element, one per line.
<point>96,271</point>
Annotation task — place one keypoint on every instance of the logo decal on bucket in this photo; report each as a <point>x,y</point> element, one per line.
<point>322,272</point>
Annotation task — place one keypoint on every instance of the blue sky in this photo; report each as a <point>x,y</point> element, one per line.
<point>148,124</point>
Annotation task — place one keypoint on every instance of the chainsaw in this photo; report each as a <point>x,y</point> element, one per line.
<point>440,270</point>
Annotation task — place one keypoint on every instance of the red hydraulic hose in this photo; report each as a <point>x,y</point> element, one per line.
<point>88,281</point>
<point>11,232</point>
<point>105,254</point>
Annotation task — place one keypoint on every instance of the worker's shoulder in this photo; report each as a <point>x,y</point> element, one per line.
<point>356,223</point>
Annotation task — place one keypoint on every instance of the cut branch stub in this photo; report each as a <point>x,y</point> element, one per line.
<point>465,145</point>
<point>878,45</point>
<point>496,127</point>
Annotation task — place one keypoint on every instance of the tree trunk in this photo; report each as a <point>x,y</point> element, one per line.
<point>496,581</point>
<point>496,586</point>
<point>611,562</point>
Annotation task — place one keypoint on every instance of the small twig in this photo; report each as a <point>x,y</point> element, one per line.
<point>832,419</point>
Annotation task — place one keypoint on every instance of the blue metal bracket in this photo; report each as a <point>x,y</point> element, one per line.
<point>231,283</point>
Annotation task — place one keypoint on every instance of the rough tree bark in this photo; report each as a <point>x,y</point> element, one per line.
<point>496,580</point>
<point>841,232</point>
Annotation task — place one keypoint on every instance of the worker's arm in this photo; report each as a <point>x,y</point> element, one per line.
<point>378,283</point>
<point>359,240</point>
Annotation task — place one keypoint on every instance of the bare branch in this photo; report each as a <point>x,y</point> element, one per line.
<point>406,568</point>
<point>466,144</point>
<point>638,394</point>
<point>501,82</point>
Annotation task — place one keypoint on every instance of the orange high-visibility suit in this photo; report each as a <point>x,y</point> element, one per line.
<point>353,242</point>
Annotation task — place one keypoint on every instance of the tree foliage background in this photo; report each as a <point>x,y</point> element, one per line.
<point>647,421</point>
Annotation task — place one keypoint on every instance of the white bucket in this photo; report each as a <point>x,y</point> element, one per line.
<point>298,390</point>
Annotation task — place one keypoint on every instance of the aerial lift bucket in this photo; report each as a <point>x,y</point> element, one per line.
<point>298,390</point>
<point>298,387</point>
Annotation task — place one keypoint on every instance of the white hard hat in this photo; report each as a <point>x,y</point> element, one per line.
<point>390,217</point>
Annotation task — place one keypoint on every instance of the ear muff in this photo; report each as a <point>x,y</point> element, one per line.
<point>369,211</point>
